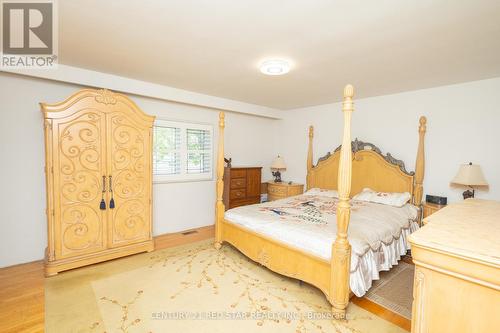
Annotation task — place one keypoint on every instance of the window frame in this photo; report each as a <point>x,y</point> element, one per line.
<point>183,176</point>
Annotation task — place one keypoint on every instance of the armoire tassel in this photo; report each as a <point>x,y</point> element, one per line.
<point>112,201</point>
<point>102,206</point>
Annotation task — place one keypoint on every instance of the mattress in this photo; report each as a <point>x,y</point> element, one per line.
<point>377,233</point>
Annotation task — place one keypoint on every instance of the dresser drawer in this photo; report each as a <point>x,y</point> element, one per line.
<point>238,194</point>
<point>272,197</point>
<point>238,173</point>
<point>243,202</point>
<point>238,183</point>
<point>277,190</point>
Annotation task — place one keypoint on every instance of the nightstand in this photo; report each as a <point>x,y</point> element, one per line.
<point>282,190</point>
<point>430,208</point>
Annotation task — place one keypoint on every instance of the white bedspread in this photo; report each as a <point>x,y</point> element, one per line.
<point>377,233</point>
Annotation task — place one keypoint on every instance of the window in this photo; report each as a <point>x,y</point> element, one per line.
<point>181,151</point>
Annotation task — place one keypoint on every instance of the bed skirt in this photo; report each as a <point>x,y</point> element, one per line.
<point>373,262</point>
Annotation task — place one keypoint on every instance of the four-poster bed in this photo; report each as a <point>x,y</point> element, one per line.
<point>338,171</point>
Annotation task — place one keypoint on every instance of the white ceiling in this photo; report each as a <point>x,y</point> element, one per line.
<point>214,46</point>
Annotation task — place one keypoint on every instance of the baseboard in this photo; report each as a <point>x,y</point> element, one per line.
<point>161,242</point>
<point>184,237</point>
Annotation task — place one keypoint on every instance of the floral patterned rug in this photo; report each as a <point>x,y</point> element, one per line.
<point>192,288</point>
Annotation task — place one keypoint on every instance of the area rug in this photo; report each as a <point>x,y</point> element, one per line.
<point>192,288</point>
<point>394,290</point>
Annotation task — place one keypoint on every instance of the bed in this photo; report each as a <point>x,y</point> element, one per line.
<point>343,250</point>
<point>377,233</point>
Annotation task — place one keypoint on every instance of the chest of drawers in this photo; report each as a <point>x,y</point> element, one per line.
<point>241,186</point>
<point>457,269</point>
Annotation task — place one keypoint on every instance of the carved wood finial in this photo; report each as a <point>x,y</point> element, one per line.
<point>222,122</point>
<point>348,91</point>
<point>347,104</point>
<point>423,124</point>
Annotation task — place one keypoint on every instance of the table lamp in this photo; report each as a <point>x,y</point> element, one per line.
<point>277,166</point>
<point>469,175</point>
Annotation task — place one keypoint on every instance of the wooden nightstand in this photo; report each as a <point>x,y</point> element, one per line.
<point>430,208</point>
<point>282,190</point>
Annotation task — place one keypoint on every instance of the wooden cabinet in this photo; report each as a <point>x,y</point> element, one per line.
<point>99,179</point>
<point>457,269</point>
<point>277,191</point>
<point>241,186</point>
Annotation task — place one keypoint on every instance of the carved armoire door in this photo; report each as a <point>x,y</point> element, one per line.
<point>99,179</point>
<point>79,163</point>
<point>129,169</point>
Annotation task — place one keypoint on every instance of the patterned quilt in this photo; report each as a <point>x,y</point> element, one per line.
<point>310,221</point>
<point>306,208</point>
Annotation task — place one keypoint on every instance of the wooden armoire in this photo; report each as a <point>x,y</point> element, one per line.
<point>99,179</point>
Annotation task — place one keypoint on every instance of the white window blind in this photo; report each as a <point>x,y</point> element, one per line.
<point>166,150</point>
<point>199,150</point>
<point>182,151</point>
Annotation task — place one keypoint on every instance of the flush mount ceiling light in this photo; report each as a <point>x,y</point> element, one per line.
<point>275,67</point>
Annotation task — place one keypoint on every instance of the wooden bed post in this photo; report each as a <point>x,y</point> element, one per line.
<point>310,157</point>
<point>341,249</point>
<point>219,205</point>
<point>420,163</point>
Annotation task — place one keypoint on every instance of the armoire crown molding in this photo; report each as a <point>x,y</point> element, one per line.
<point>90,78</point>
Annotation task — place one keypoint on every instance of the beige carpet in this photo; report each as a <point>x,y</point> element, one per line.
<point>394,290</point>
<point>192,288</point>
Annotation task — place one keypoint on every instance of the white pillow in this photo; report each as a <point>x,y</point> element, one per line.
<point>322,192</point>
<point>386,198</point>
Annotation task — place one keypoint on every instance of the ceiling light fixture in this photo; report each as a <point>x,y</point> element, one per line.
<point>275,67</point>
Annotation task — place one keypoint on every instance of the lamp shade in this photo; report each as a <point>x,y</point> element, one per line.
<point>278,163</point>
<point>470,175</point>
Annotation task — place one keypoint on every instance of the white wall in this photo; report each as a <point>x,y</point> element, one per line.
<point>463,125</point>
<point>177,206</point>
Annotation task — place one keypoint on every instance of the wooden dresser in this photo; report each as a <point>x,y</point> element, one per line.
<point>241,186</point>
<point>457,269</point>
<point>283,190</point>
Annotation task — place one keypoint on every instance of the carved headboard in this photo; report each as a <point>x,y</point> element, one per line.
<point>370,168</point>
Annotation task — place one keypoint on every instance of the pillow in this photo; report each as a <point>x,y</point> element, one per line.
<point>386,198</point>
<point>323,192</point>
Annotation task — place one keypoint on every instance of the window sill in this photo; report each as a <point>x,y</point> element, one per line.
<point>173,181</point>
